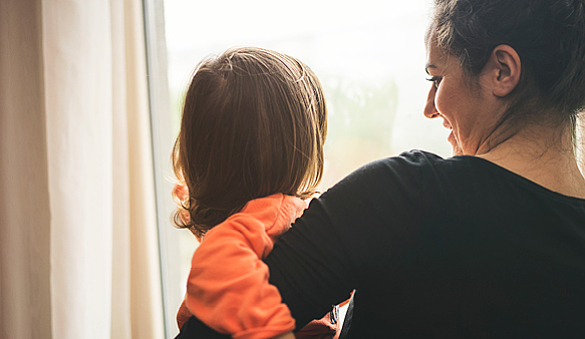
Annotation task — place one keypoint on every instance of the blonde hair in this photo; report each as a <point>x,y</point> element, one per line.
<point>254,124</point>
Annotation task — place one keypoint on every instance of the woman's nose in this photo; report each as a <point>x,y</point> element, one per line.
<point>430,110</point>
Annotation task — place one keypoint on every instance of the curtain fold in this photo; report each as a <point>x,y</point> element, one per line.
<point>78,238</point>
<point>24,190</point>
<point>121,266</point>
<point>147,317</point>
<point>78,73</point>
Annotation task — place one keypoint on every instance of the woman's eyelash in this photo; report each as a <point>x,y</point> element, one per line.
<point>435,80</point>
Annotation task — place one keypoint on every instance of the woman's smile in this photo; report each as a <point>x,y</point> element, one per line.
<point>446,123</point>
<point>462,107</point>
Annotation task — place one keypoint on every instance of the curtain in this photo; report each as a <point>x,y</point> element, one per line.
<point>78,239</point>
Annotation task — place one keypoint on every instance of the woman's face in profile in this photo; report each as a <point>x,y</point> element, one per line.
<point>452,98</point>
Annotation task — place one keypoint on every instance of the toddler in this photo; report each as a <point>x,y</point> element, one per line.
<point>250,149</point>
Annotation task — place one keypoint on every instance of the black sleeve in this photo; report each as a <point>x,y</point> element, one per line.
<point>195,328</point>
<point>343,240</point>
<point>338,243</point>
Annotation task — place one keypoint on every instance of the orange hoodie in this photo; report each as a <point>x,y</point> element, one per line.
<point>228,285</point>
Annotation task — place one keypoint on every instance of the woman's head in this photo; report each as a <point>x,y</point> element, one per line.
<point>548,37</point>
<point>254,124</point>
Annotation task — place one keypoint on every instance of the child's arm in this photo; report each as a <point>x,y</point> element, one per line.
<point>228,286</point>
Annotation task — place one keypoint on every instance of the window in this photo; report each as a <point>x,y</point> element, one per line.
<point>369,56</point>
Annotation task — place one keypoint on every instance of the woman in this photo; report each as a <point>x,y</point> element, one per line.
<point>487,244</point>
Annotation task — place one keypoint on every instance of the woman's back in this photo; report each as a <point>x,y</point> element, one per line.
<point>468,250</point>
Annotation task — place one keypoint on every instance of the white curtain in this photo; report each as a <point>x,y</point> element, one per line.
<point>78,239</point>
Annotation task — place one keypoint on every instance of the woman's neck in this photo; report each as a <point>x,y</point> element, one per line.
<point>544,155</point>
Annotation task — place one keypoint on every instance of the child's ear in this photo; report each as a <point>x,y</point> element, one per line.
<point>503,69</point>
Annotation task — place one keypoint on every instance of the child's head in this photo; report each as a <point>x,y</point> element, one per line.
<point>254,124</point>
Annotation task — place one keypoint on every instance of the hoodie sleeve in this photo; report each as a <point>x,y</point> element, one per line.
<point>228,285</point>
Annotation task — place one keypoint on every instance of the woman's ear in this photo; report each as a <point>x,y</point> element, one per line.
<point>503,70</point>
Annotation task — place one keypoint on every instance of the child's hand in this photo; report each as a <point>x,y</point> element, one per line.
<point>183,315</point>
<point>181,194</point>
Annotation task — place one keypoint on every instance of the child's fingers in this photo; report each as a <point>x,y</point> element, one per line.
<point>181,192</point>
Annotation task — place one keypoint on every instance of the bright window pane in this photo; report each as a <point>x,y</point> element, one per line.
<point>369,56</point>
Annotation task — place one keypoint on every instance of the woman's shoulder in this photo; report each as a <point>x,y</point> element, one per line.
<point>394,185</point>
<point>417,177</point>
<point>413,168</point>
<point>416,161</point>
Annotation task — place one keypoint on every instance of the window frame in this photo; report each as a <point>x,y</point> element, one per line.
<point>161,136</point>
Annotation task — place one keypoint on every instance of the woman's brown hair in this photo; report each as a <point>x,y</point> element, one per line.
<point>254,124</point>
<point>549,37</point>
